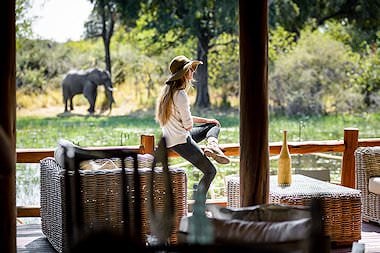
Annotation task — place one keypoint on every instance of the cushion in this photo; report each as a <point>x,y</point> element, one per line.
<point>260,223</point>
<point>374,185</point>
<point>242,231</point>
<point>144,160</point>
<point>98,164</point>
<point>265,212</point>
<point>59,151</point>
<point>261,231</point>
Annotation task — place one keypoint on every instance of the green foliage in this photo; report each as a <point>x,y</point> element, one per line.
<point>280,42</point>
<point>129,12</point>
<point>357,39</point>
<point>284,13</point>
<point>315,78</point>
<point>23,22</point>
<point>293,15</point>
<point>34,82</point>
<point>50,61</point>
<point>308,69</point>
<point>200,20</point>
<point>369,77</point>
<point>224,69</point>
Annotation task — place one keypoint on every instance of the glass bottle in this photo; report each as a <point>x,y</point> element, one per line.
<point>284,173</point>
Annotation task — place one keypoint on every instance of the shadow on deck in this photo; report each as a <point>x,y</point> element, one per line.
<point>31,239</point>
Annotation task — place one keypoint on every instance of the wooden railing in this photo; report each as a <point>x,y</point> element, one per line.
<point>147,145</point>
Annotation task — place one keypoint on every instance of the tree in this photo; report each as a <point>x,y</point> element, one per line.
<point>293,15</point>
<point>101,24</point>
<point>23,22</point>
<point>103,19</point>
<point>204,20</point>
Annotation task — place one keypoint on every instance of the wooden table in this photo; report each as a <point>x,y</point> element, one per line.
<point>341,205</point>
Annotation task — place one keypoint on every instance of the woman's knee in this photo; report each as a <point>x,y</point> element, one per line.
<point>212,172</point>
<point>208,168</point>
<point>202,163</point>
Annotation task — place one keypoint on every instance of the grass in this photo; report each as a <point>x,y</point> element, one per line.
<point>36,132</point>
<point>44,132</point>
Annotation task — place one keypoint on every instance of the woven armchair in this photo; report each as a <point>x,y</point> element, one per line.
<point>101,198</point>
<point>367,163</point>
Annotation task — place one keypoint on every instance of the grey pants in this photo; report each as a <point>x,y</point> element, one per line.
<point>192,153</point>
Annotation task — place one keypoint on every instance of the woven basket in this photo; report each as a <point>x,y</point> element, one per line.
<point>367,163</point>
<point>233,191</point>
<point>102,199</point>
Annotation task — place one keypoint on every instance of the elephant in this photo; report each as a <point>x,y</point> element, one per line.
<point>86,82</point>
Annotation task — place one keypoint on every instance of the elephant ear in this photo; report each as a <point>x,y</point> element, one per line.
<point>105,75</point>
<point>94,75</point>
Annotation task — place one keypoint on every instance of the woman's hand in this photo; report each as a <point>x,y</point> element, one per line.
<point>215,121</point>
<point>205,120</point>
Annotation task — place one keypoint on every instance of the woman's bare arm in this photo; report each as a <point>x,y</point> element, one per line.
<point>205,120</point>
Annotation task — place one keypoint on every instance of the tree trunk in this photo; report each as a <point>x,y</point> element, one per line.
<point>7,127</point>
<point>107,42</point>
<point>107,32</point>
<point>254,149</point>
<point>203,97</point>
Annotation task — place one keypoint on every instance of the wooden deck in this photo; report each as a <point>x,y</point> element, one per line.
<point>30,239</point>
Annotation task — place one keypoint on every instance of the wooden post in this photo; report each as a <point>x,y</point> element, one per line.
<point>254,149</point>
<point>351,139</point>
<point>147,144</point>
<point>7,127</point>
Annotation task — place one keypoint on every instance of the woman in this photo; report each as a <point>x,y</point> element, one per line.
<point>174,116</point>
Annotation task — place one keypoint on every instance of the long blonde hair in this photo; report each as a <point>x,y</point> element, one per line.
<point>165,100</point>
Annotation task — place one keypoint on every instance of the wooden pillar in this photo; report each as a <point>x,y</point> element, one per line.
<point>254,150</point>
<point>147,144</point>
<point>351,140</point>
<point>7,128</point>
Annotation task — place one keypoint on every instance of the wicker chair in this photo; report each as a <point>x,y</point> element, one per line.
<point>101,197</point>
<point>367,163</point>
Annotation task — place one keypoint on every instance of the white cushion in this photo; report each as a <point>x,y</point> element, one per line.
<point>261,223</point>
<point>98,164</point>
<point>265,212</point>
<point>143,161</point>
<point>374,185</point>
<point>59,155</point>
<point>242,231</point>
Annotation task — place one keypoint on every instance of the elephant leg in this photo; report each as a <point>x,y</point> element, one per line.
<point>71,104</point>
<point>90,92</point>
<point>91,109</point>
<point>65,105</point>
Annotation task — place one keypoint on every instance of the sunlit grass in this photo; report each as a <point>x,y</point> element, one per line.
<point>44,132</point>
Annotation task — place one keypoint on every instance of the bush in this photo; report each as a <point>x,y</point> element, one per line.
<point>315,78</point>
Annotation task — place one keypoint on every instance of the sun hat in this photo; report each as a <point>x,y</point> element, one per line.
<point>179,65</point>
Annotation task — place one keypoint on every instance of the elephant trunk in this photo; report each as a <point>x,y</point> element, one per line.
<point>111,100</point>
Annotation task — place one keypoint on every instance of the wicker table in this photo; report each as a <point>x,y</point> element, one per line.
<point>341,205</point>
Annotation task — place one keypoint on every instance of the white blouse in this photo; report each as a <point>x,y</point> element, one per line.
<point>174,130</point>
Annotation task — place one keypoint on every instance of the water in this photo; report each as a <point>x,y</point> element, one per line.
<point>28,188</point>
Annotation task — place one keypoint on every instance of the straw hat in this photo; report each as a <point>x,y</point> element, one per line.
<point>179,65</point>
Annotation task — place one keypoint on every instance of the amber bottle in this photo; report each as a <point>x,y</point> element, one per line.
<point>284,173</point>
